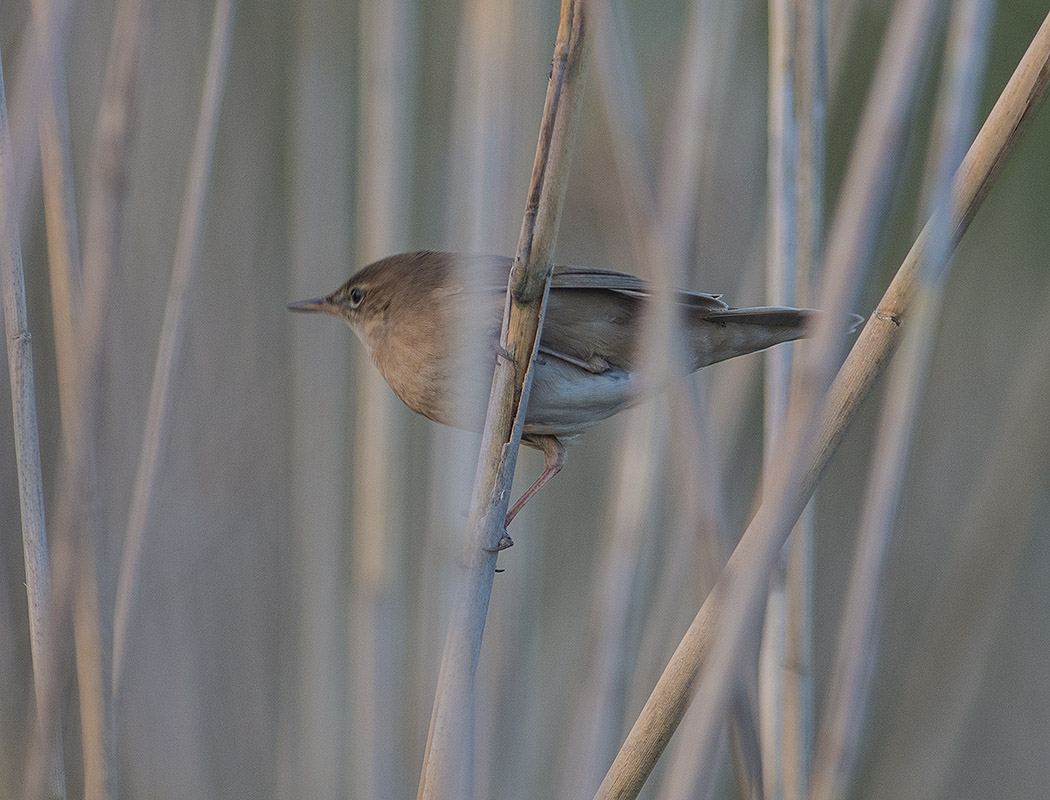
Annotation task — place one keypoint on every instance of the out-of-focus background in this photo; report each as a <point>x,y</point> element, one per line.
<point>297,566</point>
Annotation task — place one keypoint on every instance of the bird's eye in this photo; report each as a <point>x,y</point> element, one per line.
<point>356,296</point>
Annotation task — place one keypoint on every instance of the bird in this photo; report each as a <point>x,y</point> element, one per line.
<point>431,322</point>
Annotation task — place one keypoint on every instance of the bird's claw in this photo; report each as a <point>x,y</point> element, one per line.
<point>504,542</point>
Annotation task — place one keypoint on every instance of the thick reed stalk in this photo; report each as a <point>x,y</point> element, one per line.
<point>447,770</point>
<point>27,446</point>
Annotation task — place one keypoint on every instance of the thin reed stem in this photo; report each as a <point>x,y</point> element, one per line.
<point>173,328</point>
<point>781,271</point>
<point>377,528</point>
<point>38,71</point>
<point>798,78</point>
<point>65,268</point>
<point>313,745</point>
<point>78,512</point>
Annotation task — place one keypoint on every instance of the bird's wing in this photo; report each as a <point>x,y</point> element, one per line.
<point>610,280</point>
<point>490,273</point>
<point>592,314</point>
<point>595,364</point>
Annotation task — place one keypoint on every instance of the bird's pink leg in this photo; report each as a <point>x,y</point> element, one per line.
<point>554,460</point>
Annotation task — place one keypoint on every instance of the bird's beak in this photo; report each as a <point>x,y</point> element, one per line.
<point>322,304</point>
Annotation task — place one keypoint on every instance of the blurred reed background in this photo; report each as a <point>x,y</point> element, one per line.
<point>275,566</point>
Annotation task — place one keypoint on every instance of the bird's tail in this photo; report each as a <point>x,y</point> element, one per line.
<point>718,335</point>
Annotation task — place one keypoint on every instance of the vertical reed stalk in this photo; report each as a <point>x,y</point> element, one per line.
<point>376,526</point>
<point>27,446</point>
<point>781,270</point>
<point>447,769</point>
<point>797,99</point>
<point>811,82</point>
<point>313,742</point>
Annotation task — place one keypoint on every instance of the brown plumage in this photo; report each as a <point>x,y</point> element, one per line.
<point>431,323</point>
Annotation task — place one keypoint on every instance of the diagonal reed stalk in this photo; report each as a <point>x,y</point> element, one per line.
<point>864,199</point>
<point>173,328</point>
<point>78,517</point>
<point>845,710</point>
<point>490,126</point>
<point>740,588</point>
<point>660,216</point>
<point>38,72</point>
<point>65,268</point>
<point>447,768</point>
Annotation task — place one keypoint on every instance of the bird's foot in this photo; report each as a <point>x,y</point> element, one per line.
<point>504,542</point>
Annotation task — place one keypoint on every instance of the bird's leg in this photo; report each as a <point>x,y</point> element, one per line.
<point>553,461</point>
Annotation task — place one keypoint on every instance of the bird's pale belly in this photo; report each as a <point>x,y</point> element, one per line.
<point>565,399</point>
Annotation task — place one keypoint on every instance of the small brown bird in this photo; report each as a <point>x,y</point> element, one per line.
<point>413,311</point>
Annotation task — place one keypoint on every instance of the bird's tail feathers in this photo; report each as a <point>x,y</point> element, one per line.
<point>774,316</point>
<point>737,331</point>
<point>803,319</point>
